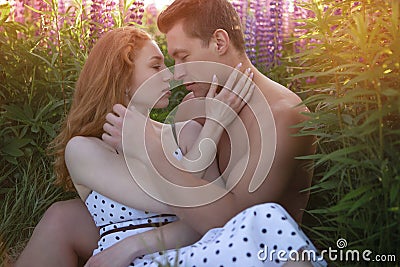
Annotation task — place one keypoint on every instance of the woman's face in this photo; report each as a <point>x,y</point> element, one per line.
<point>150,90</point>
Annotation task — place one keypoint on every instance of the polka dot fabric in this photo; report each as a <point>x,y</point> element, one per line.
<point>262,228</point>
<point>243,241</point>
<point>106,211</point>
<point>117,221</point>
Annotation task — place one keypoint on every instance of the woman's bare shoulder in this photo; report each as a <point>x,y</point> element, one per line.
<point>81,145</point>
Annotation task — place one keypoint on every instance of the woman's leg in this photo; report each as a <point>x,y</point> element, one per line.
<point>65,236</point>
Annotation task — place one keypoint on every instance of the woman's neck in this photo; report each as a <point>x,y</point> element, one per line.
<point>144,110</point>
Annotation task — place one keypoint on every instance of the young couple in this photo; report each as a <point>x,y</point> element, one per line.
<point>134,226</point>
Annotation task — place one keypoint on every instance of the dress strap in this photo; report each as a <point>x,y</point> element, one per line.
<point>178,152</point>
<point>174,133</point>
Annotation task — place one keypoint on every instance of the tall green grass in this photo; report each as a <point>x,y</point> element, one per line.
<point>349,70</point>
<point>37,77</point>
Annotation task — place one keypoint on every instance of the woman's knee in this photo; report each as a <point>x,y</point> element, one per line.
<point>62,216</point>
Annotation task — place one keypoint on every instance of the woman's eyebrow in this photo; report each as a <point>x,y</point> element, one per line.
<point>156,58</point>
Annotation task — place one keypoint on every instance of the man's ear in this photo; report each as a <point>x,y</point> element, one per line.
<point>222,41</point>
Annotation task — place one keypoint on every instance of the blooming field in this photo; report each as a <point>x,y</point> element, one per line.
<point>342,57</point>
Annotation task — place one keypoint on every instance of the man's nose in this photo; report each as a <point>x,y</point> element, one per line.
<point>167,75</point>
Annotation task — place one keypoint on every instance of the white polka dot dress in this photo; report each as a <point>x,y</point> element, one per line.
<point>117,221</point>
<point>263,235</point>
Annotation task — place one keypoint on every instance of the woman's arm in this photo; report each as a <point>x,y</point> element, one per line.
<point>94,166</point>
<point>171,236</point>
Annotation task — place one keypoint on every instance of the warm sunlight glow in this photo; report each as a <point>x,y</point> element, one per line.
<point>160,4</point>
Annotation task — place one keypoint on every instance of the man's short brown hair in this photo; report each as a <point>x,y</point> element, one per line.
<point>201,18</point>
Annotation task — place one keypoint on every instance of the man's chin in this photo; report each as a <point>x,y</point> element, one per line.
<point>197,89</point>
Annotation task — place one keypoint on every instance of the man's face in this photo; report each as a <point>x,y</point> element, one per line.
<point>183,49</point>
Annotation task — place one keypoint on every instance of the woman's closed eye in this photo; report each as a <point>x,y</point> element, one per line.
<point>157,67</point>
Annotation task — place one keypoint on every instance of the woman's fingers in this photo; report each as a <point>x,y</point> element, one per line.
<point>241,84</point>
<point>232,78</point>
<point>213,87</point>
<point>246,87</point>
<point>248,96</point>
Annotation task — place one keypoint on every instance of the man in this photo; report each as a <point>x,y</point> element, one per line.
<point>210,31</point>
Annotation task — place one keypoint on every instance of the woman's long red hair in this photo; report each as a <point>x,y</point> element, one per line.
<point>103,81</point>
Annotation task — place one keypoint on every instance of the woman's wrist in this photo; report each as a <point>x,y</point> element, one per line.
<point>213,128</point>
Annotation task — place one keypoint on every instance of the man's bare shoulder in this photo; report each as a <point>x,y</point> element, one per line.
<point>286,106</point>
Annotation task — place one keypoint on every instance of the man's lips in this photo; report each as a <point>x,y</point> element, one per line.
<point>188,85</point>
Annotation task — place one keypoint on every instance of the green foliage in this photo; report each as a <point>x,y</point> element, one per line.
<point>37,75</point>
<point>349,70</point>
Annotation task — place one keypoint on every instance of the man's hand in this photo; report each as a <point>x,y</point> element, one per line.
<point>120,254</point>
<point>136,130</point>
<point>113,128</point>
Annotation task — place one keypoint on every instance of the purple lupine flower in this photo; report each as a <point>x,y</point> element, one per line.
<point>261,14</point>
<point>264,30</point>
<point>298,14</point>
<point>61,13</point>
<point>249,23</point>
<point>61,6</point>
<point>337,12</point>
<point>241,8</point>
<point>152,12</point>
<point>250,40</point>
<point>36,4</point>
<point>108,18</point>
<point>96,19</point>
<point>44,22</point>
<point>136,11</point>
<point>19,11</point>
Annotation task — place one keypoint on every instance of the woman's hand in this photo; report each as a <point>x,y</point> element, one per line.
<point>224,106</point>
<point>120,254</point>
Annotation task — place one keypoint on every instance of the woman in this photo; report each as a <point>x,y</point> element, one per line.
<point>109,77</point>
